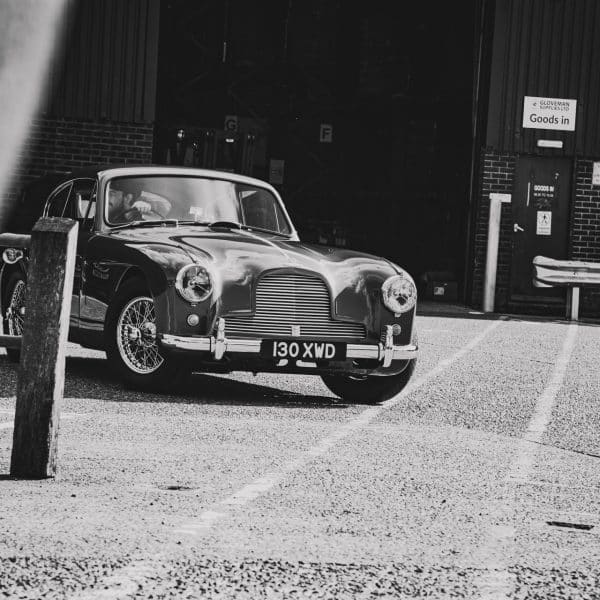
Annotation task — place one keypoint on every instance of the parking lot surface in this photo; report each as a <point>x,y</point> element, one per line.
<point>480,480</point>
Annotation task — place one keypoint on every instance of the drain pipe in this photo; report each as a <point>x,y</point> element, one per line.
<point>491,260</point>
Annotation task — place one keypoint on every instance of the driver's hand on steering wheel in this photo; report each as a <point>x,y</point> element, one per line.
<point>143,206</point>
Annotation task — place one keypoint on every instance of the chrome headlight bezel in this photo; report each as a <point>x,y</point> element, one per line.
<point>12,256</point>
<point>189,288</point>
<point>399,293</point>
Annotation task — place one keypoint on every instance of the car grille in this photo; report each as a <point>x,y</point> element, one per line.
<point>286,300</point>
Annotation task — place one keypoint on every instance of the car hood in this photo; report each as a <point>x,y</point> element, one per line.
<point>238,258</point>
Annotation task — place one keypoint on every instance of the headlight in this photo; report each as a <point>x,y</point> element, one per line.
<point>12,255</point>
<point>194,283</point>
<point>399,293</point>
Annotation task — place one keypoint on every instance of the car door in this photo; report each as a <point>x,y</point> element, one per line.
<point>57,205</point>
<point>85,196</point>
<point>76,200</point>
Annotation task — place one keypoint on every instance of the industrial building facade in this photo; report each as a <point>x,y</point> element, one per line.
<point>385,130</point>
<point>540,144</point>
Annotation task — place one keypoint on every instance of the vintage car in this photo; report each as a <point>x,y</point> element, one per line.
<point>182,270</point>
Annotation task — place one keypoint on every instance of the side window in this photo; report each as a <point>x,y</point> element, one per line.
<point>57,203</point>
<point>262,210</point>
<point>77,200</point>
<point>83,200</point>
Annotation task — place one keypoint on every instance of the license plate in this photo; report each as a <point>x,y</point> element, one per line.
<point>301,350</point>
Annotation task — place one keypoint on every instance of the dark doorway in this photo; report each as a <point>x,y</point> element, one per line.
<point>541,204</point>
<point>365,110</point>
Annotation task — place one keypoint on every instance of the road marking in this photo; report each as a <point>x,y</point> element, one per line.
<point>497,583</point>
<point>129,577</point>
<point>270,480</point>
<point>10,424</point>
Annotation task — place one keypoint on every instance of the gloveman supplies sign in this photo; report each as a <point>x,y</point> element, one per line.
<point>549,113</point>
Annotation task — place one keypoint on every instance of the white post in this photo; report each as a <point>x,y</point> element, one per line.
<point>574,304</point>
<point>491,260</point>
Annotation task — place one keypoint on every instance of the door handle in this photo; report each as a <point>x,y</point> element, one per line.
<point>517,227</point>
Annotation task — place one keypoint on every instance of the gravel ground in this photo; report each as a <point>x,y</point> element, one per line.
<point>269,487</point>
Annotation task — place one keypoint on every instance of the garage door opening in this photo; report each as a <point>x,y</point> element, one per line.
<point>361,117</point>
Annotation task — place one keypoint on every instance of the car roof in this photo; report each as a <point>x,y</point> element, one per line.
<point>115,170</point>
<point>27,209</point>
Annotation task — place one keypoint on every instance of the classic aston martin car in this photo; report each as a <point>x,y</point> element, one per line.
<point>182,270</point>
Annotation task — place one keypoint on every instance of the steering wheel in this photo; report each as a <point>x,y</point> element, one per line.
<point>134,214</point>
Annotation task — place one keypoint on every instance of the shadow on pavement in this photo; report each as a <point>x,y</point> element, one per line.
<point>91,378</point>
<point>459,311</point>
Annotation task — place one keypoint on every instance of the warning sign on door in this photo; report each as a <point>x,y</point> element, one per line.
<point>544,222</point>
<point>543,195</point>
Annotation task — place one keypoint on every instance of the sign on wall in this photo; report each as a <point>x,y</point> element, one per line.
<point>549,113</point>
<point>276,167</point>
<point>596,174</point>
<point>544,222</point>
<point>326,133</point>
<point>231,123</point>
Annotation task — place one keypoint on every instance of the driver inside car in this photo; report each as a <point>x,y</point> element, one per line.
<point>123,208</point>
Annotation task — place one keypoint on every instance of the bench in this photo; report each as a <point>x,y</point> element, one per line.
<point>572,274</point>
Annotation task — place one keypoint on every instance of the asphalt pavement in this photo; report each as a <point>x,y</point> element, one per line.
<point>481,480</point>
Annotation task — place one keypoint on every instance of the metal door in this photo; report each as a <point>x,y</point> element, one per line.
<point>541,203</point>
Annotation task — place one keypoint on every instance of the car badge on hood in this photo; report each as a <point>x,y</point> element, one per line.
<point>296,330</point>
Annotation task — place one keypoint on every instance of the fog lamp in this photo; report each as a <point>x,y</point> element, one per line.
<point>193,320</point>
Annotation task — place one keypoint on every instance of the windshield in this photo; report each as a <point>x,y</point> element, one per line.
<point>192,199</point>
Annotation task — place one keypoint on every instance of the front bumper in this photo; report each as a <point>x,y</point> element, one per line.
<point>218,346</point>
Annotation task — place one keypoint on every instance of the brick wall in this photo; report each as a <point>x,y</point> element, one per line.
<point>497,175</point>
<point>498,172</point>
<point>61,145</point>
<point>585,230</point>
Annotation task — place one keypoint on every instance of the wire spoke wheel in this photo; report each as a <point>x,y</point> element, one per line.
<point>136,336</point>
<point>16,309</point>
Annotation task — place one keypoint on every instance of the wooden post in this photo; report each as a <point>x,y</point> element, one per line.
<point>42,370</point>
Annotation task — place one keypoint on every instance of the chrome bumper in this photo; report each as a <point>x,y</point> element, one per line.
<point>218,345</point>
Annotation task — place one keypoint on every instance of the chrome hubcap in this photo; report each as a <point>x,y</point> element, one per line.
<point>15,313</point>
<point>136,336</point>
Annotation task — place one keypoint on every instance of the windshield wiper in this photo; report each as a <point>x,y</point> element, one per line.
<point>224,224</point>
<point>228,224</point>
<point>141,223</point>
<point>234,225</point>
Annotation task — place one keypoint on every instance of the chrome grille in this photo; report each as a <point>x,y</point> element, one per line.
<point>286,300</point>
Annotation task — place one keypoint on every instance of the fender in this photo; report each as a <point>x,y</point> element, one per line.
<point>109,263</point>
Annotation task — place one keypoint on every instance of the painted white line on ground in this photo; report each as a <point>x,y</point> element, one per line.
<point>129,577</point>
<point>497,583</point>
<point>10,424</point>
<point>270,480</point>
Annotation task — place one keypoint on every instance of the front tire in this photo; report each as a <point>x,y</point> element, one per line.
<point>369,389</point>
<point>14,313</point>
<point>131,341</point>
